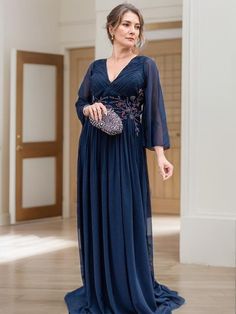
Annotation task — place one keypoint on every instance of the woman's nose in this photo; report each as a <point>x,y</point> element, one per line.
<point>131,30</point>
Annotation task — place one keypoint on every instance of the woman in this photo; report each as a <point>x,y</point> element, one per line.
<point>114,212</point>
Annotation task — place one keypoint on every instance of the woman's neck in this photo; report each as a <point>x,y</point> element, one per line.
<point>122,54</point>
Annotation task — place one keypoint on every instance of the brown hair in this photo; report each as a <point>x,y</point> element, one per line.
<point>115,16</point>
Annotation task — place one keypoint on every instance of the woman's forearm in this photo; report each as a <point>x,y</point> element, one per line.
<point>159,150</point>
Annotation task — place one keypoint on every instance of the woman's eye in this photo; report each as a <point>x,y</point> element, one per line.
<point>127,25</point>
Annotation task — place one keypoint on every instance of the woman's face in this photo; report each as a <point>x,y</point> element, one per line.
<point>127,33</point>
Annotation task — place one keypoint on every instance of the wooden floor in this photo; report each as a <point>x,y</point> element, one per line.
<point>39,263</point>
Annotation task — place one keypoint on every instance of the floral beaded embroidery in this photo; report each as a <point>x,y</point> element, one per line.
<point>129,107</point>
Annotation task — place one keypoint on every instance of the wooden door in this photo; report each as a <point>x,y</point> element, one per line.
<point>37,129</point>
<point>79,62</point>
<point>165,195</point>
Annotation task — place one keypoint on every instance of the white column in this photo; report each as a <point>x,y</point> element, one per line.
<point>103,47</point>
<point>208,148</point>
<point>1,97</point>
<point>4,213</point>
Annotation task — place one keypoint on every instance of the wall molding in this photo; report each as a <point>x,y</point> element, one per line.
<point>162,25</point>
<point>210,215</point>
<point>141,8</point>
<point>207,213</point>
<point>77,23</point>
<point>163,34</point>
<point>76,44</point>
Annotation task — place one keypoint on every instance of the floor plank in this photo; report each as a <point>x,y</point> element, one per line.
<point>39,263</point>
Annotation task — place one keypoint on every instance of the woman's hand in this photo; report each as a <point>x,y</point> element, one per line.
<point>165,167</point>
<point>95,110</point>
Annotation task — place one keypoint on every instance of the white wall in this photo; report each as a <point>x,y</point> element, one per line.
<point>28,25</point>
<point>208,222</point>
<point>77,23</point>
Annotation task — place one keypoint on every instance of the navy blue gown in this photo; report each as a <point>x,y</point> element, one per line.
<point>114,211</point>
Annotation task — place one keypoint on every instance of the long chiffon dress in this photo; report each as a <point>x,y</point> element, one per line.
<point>114,219</point>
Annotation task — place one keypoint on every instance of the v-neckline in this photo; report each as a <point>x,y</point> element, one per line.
<point>106,69</point>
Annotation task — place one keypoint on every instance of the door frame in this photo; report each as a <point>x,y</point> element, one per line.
<point>47,148</point>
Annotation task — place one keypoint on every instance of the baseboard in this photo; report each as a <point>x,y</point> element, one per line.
<point>4,219</point>
<point>208,241</point>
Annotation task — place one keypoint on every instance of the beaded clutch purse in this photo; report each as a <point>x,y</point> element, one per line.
<point>110,123</point>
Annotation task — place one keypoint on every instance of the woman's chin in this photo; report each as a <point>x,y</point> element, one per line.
<point>128,46</point>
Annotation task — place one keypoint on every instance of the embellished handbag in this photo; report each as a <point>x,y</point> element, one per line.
<point>110,123</point>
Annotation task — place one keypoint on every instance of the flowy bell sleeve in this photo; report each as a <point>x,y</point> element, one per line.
<point>84,95</point>
<point>154,123</point>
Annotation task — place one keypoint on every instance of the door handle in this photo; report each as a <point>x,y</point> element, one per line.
<point>19,148</point>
